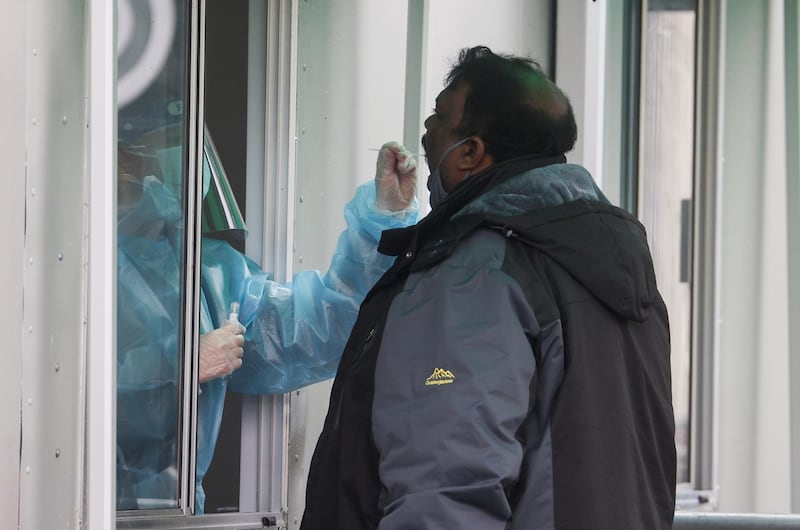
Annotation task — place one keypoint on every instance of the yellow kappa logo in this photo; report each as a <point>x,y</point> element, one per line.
<point>440,376</point>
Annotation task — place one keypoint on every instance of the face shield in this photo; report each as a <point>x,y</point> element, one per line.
<point>221,216</point>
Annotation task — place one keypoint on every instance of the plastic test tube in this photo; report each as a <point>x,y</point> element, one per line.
<point>233,314</point>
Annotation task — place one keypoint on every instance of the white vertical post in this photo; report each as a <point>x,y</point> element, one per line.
<point>255,210</point>
<point>100,488</point>
<point>580,73</point>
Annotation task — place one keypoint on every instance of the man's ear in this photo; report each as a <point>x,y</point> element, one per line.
<point>474,157</point>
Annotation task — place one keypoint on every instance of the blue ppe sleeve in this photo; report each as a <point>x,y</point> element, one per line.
<point>294,336</point>
<point>453,385</point>
<point>295,333</point>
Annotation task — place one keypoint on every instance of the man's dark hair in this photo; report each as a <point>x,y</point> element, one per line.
<point>512,105</point>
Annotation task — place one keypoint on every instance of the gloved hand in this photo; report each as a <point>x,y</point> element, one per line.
<point>221,351</point>
<point>395,177</point>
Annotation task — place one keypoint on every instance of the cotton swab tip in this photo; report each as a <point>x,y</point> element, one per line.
<point>408,152</point>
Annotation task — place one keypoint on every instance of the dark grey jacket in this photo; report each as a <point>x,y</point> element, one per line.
<point>511,371</point>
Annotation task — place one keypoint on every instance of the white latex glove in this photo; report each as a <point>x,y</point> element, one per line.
<point>221,351</point>
<point>395,177</point>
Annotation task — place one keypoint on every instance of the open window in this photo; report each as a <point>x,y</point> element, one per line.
<point>199,146</point>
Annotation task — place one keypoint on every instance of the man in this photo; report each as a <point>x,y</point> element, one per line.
<point>511,369</point>
<point>294,335</point>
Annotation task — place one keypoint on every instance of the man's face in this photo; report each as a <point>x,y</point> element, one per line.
<point>440,130</point>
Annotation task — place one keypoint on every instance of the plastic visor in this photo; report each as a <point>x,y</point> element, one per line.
<point>221,214</point>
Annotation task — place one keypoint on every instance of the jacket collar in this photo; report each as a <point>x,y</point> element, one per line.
<point>435,236</point>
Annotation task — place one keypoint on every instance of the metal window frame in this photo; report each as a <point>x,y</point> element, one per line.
<point>705,286</point>
<point>632,73</point>
<point>270,186</point>
<point>269,208</point>
<point>233,521</point>
<point>735,521</point>
<point>194,191</point>
<point>189,332</point>
<point>792,47</point>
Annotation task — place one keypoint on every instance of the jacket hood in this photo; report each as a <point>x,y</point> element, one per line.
<point>551,205</point>
<point>560,210</point>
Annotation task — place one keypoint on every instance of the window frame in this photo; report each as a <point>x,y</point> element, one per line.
<point>189,332</point>
<point>704,252</point>
<point>266,426</point>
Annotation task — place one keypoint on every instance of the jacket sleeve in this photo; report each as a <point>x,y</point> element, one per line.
<point>296,332</point>
<point>453,387</point>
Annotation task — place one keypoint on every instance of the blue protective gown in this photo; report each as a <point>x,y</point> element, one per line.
<point>294,335</point>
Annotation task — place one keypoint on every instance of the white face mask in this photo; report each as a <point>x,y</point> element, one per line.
<point>435,185</point>
<point>156,209</point>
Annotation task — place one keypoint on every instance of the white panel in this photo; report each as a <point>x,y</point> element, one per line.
<point>350,94</point>
<point>773,478</point>
<point>13,55</point>
<point>520,27</point>
<point>738,263</point>
<point>580,68</point>
<point>54,286</point>
<point>590,129</point>
<point>308,409</point>
<point>100,500</point>
<point>351,75</point>
<point>753,335</point>
<point>416,53</point>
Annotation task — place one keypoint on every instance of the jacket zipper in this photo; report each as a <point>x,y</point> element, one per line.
<point>360,355</point>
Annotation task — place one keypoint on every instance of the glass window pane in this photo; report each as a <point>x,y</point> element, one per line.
<point>666,184</point>
<point>612,112</point>
<point>621,110</point>
<point>152,89</point>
